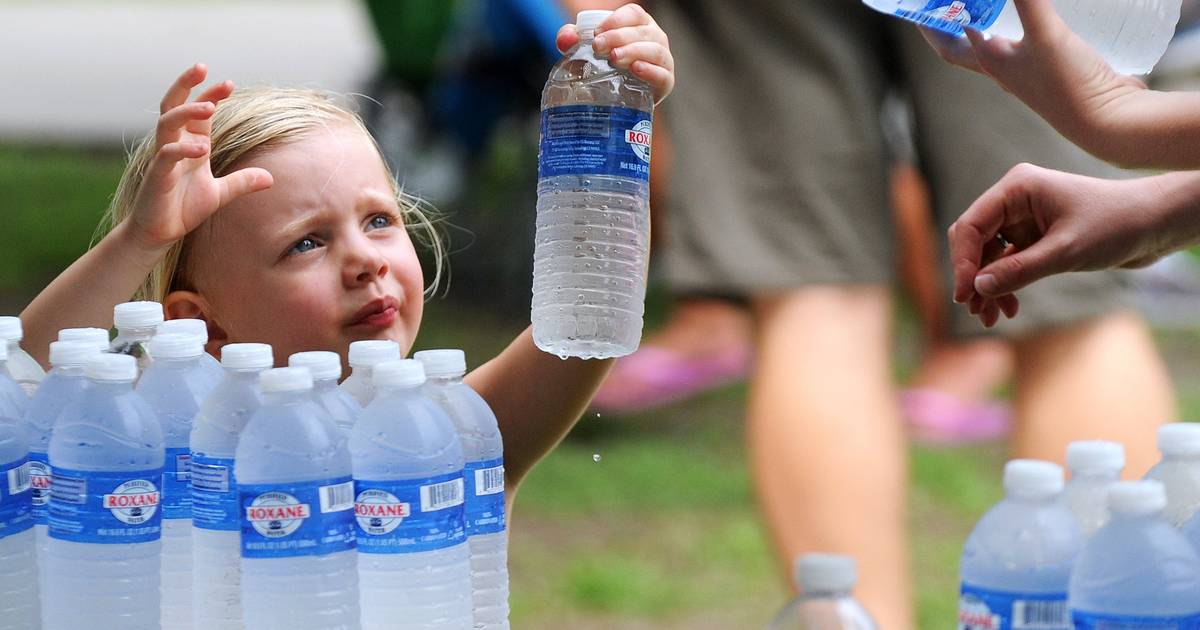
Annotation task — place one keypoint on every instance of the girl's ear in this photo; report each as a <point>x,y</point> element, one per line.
<point>192,305</point>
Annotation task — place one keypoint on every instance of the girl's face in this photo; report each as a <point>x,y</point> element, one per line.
<point>315,262</point>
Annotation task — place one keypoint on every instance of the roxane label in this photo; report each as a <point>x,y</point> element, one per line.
<point>410,516</point>
<point>106,507</point>
<point>16,500</point>
<point>485,497</point>
<point>214,493</point>
<point>312,518</point>
<point>595,140</point>
<point>951,16</point>
<point>39,486</point>
<point>984,609</point>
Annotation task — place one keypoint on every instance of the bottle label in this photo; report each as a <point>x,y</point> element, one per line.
<point>177,484</point>
<point>595,140</point>
<point>106,507</point>
<point>410,516</point>
<point>287,520</point>
<point>1098,621</point>
<point>484,482</point>
<point>39,485</point>
<point>985,609</point>
<point>951,16</point>
<point>214,493</point>
<point>16,499</point>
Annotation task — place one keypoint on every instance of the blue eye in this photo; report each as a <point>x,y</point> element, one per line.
<point>380,221</point>
<point>303,245</point>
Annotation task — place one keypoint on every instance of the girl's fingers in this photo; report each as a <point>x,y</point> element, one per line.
<point>650,52</point>
<point>990,313</point>
<point>1009,305</point>
<point>628,15</point>
<point>171,123</point>
<point>178,93</point>
<point>567,37</point>
<point>624,36</point>
<point>157,174</point>
<point>661,80</point>
<point>242,182</point>
<point>214,94</point>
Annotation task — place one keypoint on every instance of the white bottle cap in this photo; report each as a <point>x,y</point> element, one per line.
<point>443,362</point>
<point>372,351</point>
<point>97,336</point>
<point>1095,455</point>
<point>825,573</point>
<point>286,379</point>
<point>323,364</point>
<point>1179,439</point>
<point>1032,478</point>
<point>247,356</point>
<point>10,328</point>
<point>1137,498</point>
<point>71,353</point>
<point>137,315</point>
<point>400,373</point>
<point>196,327</point>
<point>589,20</point>
<point>103,366</point>
<point>175,346</point>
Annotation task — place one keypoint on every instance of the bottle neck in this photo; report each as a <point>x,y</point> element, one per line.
<point>1181,457</point>
<point>14,345</point>
<point>74,371</point>
<point>396,389</point>
<point>1031,498</point>
<point>1096,474</point>
<point>445,379</point>
<point>288,398</point>
<point>110,388</point>
<point>178,363</point>
<point>825,594</point>
<point>135,334</point>
<point>324,384</point>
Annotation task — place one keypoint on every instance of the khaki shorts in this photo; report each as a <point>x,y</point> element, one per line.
<point>779,176</point>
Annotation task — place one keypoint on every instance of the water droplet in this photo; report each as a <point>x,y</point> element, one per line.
<point>597,414</point>
<point>596,456</point>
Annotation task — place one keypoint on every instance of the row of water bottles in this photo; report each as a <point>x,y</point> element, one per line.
<point>194,494</point>
<point>1093,552</point>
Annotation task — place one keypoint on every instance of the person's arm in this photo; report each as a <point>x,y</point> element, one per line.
<point>177,194</point>
<point>1050,222</point>
<point>1055,73</point>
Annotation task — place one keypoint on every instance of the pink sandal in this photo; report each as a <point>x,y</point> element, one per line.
<point>935,417</point>
<point>653,377</point>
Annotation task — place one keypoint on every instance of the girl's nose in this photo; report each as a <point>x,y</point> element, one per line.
<point>365,263</point>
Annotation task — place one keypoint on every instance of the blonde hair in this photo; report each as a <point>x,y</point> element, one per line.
<point>248,121</point>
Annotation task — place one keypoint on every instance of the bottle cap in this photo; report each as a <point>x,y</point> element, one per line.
<point>71,353</point>
<point>1032,478</point>
<point>195,327</point>
<point>372,351</point>
<point>1095,455</point>
<point>589,20</point>
<point>10,328</point>
<point>825,573</point>
<point>175,346</point>
<point>1179,439</point>
<point>1137,498</point>
<point>286,379</point>
<point>137,315</point>
<point>247,356</point>
<point>323,364</point>
<point>399,373</point>
<point>443,362</point>
<point>97,336</point>
<point>103,366</point>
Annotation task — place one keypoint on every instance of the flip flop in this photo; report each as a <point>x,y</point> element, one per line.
<point>653,377</point>
<point>934,417</point>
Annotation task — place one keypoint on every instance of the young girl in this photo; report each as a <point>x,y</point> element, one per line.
<point>271,215</point>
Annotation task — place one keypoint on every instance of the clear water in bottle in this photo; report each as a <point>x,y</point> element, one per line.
<point>136,323</point>
<point>413,563</point>
<point>1095,466</point>
<point>1137,571</point>
<point>362,357</point>
<point>106,457</point>
<point>176,385</point>
<point>296,495</point>
<point>199,329</point>
<point>825,601</point>
<point>23,368</point>
<point>593,221</point>
<point>19,604</point>
<point>216,538</point>
<point>1131,35</point>
<point>1179,470</point>
<point>326,370</point>
<point>1017,562</point>
<point>483,476</point>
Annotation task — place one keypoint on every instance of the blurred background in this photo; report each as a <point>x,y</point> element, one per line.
<point>645,519</point>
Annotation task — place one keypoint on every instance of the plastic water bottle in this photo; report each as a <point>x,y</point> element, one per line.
<point>825,602</point>
<point>1179,470</point>
<point>106,455</point>
<point>326,370</point>
<point>175,385</point>
<point>23,368</point>
<point>136,323</point>
<point>1095,466</point>
<point>11,395</point>
<point>1137,571</point>
<point>216,544</point>
<point>18,560</point>
<point>414,565</point>
<point>297,512</point>
<point>1017,562</point>
<point>593,213</point>
<point>363,356</point>
<point>199,329</point>
<point>96,336</point>
<point>483,476</point>
<point>1131,35</point>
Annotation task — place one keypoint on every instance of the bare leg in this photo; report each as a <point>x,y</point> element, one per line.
<point>1101,379</point>
<point>825,437</point>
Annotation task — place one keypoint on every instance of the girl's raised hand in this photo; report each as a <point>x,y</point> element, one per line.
<point>178,191</point>
<point>631,40</point>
